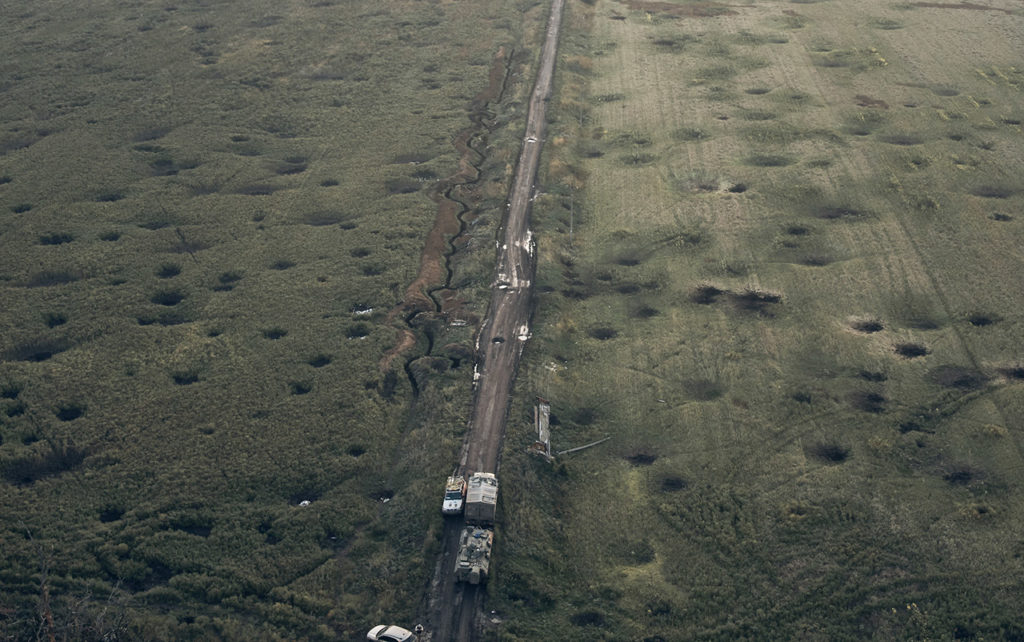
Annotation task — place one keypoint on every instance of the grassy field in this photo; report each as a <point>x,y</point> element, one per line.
<point>780,251</point>
<point>207,213</point>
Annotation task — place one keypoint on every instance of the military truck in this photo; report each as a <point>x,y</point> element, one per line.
<point>481,499</point>
<point>474,560</point>
<point>454,495</point>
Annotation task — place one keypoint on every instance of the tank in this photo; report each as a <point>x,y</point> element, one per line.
<point>474,560</point>
<point>481,499</point>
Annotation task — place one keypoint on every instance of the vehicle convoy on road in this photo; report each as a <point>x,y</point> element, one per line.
<point>474,560</point>
<point>454,495</point>
<point>481,499</point>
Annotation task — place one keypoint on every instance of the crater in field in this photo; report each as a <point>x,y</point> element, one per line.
<point>58,238</point>
<point>993,191</point>
<point>872,402</point>
<point>835,212</point>
<point>185,377</point>
<point>603,333</point>
<point>950,376</point>
<point>274,333</point>
<point>875,377</point>
<point>167,297</point>
<point>320,360</point>
<point>1003,218</point>
<point>69,412</point>
<point>288,168</point>
<point>758,301</point>
<point>673,484</point>
<point>801,397</point>
<point>111,514</point>
<point>910,350</point>
<point>357,331</point>
<point>829,452</point>
<point>641,458</point>
<point>962,475</point>
<point>757,91</point>
<point>703,389</point>
<point>816,260</point>
<point>863,100</point>
<point>644,312</point>
<point>1012,372</point>
<point>38,350</point>
<point>168,270</point>
<point>356,450</point>
<point>946,90</point>
<point>981,320</point>
<point>706,294</point>
<point>867,326</point>
<point>300,387</point>
<point>283,264</point>
<point>60,458</point>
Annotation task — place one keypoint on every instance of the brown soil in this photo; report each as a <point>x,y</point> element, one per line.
<point>406,340</point>
<point>433,268</point>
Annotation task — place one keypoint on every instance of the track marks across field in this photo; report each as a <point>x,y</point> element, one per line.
<point>817,207</point>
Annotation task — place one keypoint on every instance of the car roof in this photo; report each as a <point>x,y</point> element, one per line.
<point>392,633</point>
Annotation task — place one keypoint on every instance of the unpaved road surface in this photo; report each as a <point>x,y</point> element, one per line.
<point>502,336</point>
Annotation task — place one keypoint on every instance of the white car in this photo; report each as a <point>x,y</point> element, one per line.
<point>454,495</point>
<point>390,633</point>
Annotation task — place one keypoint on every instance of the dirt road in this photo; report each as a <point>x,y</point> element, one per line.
<point>500,343</point>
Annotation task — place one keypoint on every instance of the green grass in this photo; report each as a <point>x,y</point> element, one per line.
<point>808,383</point>
<point>207,215</point>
